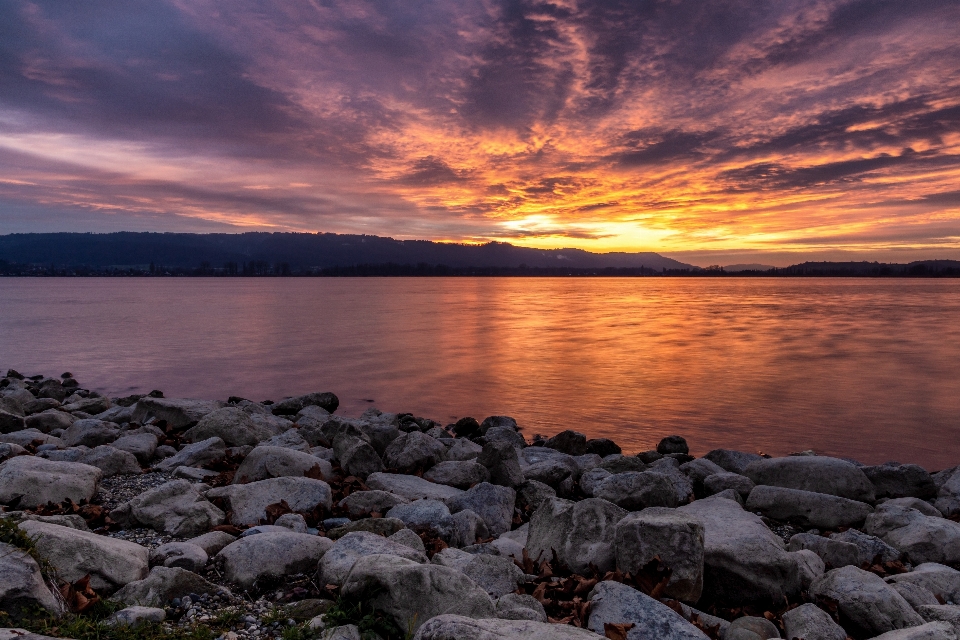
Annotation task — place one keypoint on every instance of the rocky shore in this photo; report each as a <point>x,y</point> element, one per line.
<point>258,520</point>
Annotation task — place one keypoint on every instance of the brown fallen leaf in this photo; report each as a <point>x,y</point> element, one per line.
<point>617,631</point>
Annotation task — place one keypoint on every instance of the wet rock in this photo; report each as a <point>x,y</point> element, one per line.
<point>806,508</point>
<point>461,475</point>
<point>502,461</point>
<point>673,536</point>
<point>248,502</point>
<point>22,588</point>
<point>811,623</point>
<point>894,480</point>
<point>110,563</point>
<point>410,487</point>
<point>175,508</point>
<point>111,461</point>
<point>413,593</point>
<point>277,462</point>
<point>194,455</point>
<point>28,482</point>
<point>918,537</point>
<point>582,533</point>
<point>673,444</point>
<point>570,442</point>
<point>634,491</point>
<point>162,585</point>
<point>363,503</point>
<point>833,552</point>
<point>818,474</point>
<point>291,406</point>
<point>493,503</point>
<point>179,554</point>
<point>344,553</point>
<point>177,413</point>
<point>498,421</point>
<point>467,428</point>
<point>616,603</point>
<point>743,560</point>
<point>865,602</point>
<point>454,627</point>
<point>603,447</point>
<point>257,559</point>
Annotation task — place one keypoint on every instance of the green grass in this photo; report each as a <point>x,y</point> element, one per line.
<point>13,535</point>
<point>92,626</point>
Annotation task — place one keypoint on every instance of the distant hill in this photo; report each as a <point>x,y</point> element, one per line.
<point>735,268</point>
<point>297,251</point>
<point>916,269</point>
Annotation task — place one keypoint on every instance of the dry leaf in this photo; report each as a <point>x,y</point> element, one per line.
<point>617,631</point>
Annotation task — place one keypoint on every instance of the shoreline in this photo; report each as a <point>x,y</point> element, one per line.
<point>280,506</point>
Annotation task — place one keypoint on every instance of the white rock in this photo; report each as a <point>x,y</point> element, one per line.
<point>410,487</point>
<point>581,533</point>
<point>175,507</point>
<point>248,502</point>
<point>271,555</point>
<point>276,462</point>
<point>32,482</point>
<point>616,603</point>
<point>870,605</point>
<point>818,474</point>
<point>811,623</point>
<point>491,502</point>
<point>344,553</point>
<point>22,588</point>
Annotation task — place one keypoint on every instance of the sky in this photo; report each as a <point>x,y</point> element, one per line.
<point>713,131</point>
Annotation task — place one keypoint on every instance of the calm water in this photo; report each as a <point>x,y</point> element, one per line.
<point>861,368</point>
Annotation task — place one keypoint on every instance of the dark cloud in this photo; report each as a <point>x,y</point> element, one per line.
<point>652,147</point>
<point>431,171</point>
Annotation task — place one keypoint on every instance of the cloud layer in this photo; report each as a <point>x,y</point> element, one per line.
<point>673,125</point>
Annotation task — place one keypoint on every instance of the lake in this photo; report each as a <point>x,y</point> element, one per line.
<point>868,369</point>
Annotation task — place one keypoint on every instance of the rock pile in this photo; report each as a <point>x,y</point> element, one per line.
<point>177,508</point>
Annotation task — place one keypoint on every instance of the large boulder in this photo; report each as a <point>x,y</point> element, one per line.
<point>731,460</point>
<point>412,593</point>
<point>90,433</point>
<point>340,558</point>
<point>867,605</point>
<point>833,552</point>
<point>724,480</point>
<point>425,515</point>
<point>49,420</point>
<point>27,437</point>
<point>928,631</point>
<point>673,536</point>
<point>175,508</point>
<point>277,462</point>
<point>581,533</point>
<point>616,603</point>
<point>176,412</point>
<point>455,627</point>
<point>141,444</point>
<point>499,457</point>
<point>570,442</point>
<point>496,575</point>
<point>254,561</point>
<point>363,503</point>
<point>410,487</point>
<point>22,588</point>
<point>248,502</point>
<point>491,502</point>
<point>548,466</point>
<point>743,560</point>
<point>949,613</point>
<point>234,426</point>
<point>942,581</point>
<point>413,450</point>
<point>162,585</point>
<point>291,406</point>
<point>818,474</point>
<point>109,562</point>
<point>456,473</point>
<point>357,456</point>
<point>918,537</point>
<point>111,461</point>
<point>195,455</point>
<point>806,508</point>
<point>638,490</point>
<point>28,482</point>
<point>894,480</point>
<point>872,549</point>
<point>810,622</point>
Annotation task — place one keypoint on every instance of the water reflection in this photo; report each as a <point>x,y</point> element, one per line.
<point>862,368</point>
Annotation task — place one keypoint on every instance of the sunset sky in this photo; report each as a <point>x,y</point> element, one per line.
<point>710,131</point>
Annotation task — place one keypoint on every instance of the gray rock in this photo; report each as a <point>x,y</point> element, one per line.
<point>162,585</point>
<point>26,437</point>
<point>505,434</point>
<point>363,503</point>
<point>212,542</point>
<point>502,461</point>
<point>570,442</point>
<point>811,623</point>
<point>413,593</point>
<point>175,508</point>
<point>699,470</point>
<point>292,521</point>
<point>806,508</point>
<point>357,457</point>
<point>818,474</point>
<point>8,451</point>
<point>49,420</point>
<point>454,627</point>
<point>194,455</point>
<point>673,536</point>
<point>871,548</point>
<point>893,480</point>
<point>673,444</point>
<point>616,603</point>
<point>248,502</point>
<point>425,515</point>
<point>593,478</point>
<point>71,454</point>
<point>413,450</point>
<point>496,575</point>
<point>111,461</point>
<point>343,632</point>
<point>914,594</point>
<point>743,560</point>
<point>380,526</point>
<point>277,462</point>
<point>515,606</point>
<point>918,537</point>
<point>271,555</point>
<point>683,486</point>
<point>116,415</point>
<point>939,579</point>
<point>468,528</point>
<point>410,487</point>
<point>10,422</point>
<point>868,604</point>
<point>463,449</point>
<point>493,503</point>
<point>110,563</point>
<point>22,588</point>
<point>751,628</point>
<point>922,506</point>
<point>64,520</point>
<point>290,406</point>
<point>193,474</point>
<point>623,464</point>
<point>809,567</point>
<point>833,552</point>
<point>408,538</point>
<point>178,413</point>
<point>581,533</point>
<point>459,474</point>
<point>179,554</point>
<point>132,616</point>
<point>941,613</point>
<point>634,491</point>
<point>142,445</point>
<point>726,480</point>
<point>928,631</point>
<point>90,433</point>
<point>289,439</point>
<point>90,405</point>
<point>505,422</point>
<point>531,494</point>
<point>30,482</point>
<point>344,553</point>
<point>548,466</point>
<point>234,426</point>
